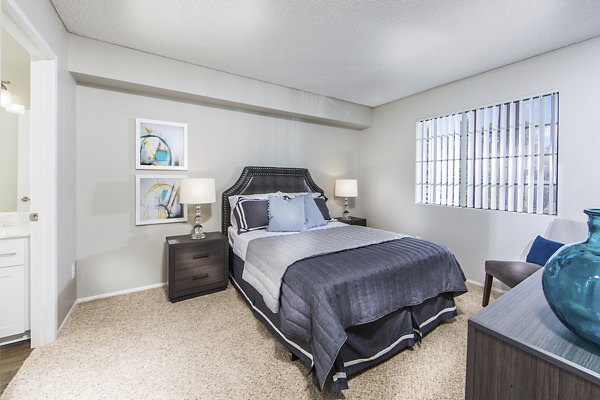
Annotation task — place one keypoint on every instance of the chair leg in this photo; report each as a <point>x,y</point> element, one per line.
<point>487,289</point>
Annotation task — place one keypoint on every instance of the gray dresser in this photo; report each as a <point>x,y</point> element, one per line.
<point>518,349</point>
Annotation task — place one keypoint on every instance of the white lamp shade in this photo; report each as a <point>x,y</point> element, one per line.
<point>197,191</point>
<point>346,188</point>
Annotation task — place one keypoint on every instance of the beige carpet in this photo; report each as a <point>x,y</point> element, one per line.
<point>140,346</point>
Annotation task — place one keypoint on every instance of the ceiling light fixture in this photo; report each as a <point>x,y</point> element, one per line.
<point>5,96</point>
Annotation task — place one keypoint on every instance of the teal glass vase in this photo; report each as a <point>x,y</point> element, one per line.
<point>571,282</point>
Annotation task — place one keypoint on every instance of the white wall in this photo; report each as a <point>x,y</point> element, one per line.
<point>23,167</point>
<point>148,73</point>
<point>42,15</point>
<point>14,161</point>
<point>9,141</point>
<point>388,156</point>
<point>113,254</point>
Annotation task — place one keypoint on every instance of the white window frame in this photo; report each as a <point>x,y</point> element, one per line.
<point>492,157</point>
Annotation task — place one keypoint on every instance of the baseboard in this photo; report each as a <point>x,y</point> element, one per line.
<point>121,292</point>
<point>472,282</point>
<point>495,288</point>
<point>64,322</point>
<point>104,295</point>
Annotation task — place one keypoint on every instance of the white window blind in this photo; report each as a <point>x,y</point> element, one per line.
<point>499,157</point>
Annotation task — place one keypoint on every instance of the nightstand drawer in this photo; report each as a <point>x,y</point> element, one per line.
<point>354,221</point>
<point>197,266</point>
<point>198,256</point>
<point>198,276</point>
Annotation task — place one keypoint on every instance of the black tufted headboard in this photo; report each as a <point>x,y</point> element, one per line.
<point>267,180</point>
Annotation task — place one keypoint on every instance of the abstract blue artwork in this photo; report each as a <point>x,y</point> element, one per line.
<point>157,200</point>
<point>160,145</point>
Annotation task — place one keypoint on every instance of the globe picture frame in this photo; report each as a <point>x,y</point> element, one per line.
<point>157,200</point>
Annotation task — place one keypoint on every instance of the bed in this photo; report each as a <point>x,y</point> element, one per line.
<point>339,309</point>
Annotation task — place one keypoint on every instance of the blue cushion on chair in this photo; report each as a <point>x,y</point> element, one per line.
<point>541,250</point>
<point>285,214</point>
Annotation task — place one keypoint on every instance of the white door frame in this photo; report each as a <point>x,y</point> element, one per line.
<point>43,173</point>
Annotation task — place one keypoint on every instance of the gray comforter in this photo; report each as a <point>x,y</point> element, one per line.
<point>268,258</point>
<point>324,295</point>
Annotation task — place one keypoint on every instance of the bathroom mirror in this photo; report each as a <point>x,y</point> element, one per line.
<point>14,126</point>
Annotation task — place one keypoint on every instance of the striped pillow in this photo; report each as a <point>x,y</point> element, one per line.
<point>321,203</point>
<point>251,214</point>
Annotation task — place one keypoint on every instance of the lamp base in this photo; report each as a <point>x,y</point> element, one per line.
<point>198,234</point>
<point>197,231</point>
<point>346,213</point>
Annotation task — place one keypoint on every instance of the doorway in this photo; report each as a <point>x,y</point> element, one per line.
<point>40,254</point>
<point>14,190</point>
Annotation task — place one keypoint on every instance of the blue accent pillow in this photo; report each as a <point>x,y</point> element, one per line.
<point>321,203</point>
<point>312,214</point>
<point>541,250</point>
<point>286,215</point>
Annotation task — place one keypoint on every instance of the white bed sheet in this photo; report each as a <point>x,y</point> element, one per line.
<point>239,243</point>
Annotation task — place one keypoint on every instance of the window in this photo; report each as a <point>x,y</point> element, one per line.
<point>500,157</point>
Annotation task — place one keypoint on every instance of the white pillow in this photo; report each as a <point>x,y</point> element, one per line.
<point>260,196</point>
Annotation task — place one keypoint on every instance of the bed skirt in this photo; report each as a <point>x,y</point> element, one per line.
<point>367,344</point>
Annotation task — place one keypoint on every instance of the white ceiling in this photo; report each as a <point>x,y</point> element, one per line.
<point>15,68</point>
<point>365,51</point>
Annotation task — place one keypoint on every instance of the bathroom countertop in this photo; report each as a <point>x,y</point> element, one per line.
<point>14,232</point>
<point>14,225</point>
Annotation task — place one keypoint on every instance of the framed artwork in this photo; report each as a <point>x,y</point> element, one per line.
<point>160,145</point>
<point>157,200</point>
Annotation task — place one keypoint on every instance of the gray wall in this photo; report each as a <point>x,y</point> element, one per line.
<point>42,15</point>
<point>113,254</point>
<point>388,165</point>
<point>134,70</point>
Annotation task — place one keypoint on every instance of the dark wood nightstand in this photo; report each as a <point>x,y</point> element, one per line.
<point>354,221</point>
<point>197,267</point>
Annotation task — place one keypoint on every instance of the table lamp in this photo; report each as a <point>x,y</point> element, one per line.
<point>346,188</point>
<point>197,191</point>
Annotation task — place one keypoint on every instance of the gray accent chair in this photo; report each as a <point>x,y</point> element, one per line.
<point>511,273</point>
